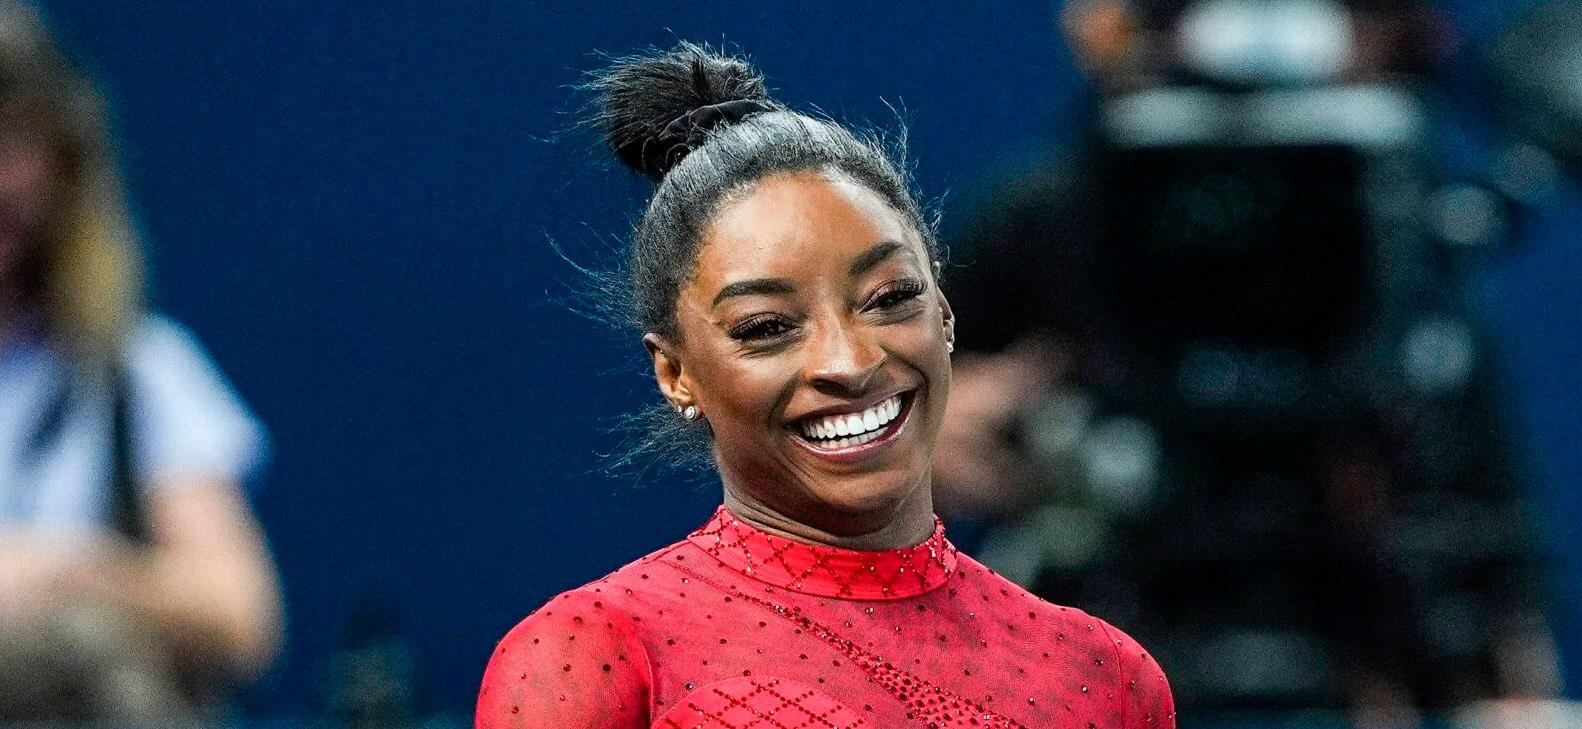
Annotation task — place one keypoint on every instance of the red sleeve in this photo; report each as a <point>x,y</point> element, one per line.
<point>1148,703</point>
<point>576,663</point>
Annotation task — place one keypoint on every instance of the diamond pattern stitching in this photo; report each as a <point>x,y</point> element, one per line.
<point>763,706</point>
<point>924,700</point>
<point>828,571</point>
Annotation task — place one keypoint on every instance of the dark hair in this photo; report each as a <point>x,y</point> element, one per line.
<point>85,279</point>
<point>641,102</point>
<point>702,126</point>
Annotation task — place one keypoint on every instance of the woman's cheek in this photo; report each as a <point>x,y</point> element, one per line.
<point>924,342</point>
<point>753,387</point>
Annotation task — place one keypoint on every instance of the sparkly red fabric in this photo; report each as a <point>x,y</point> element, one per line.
<point>734,628</point>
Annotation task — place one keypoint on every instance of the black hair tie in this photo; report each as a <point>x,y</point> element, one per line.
<point>686,133</point>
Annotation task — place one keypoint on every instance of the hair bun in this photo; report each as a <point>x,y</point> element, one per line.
<point>654,109</point>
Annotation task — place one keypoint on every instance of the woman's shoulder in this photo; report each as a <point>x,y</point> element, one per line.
<point>1097,650</point>
<point>1040,617</point>
<point>572,662</point>
<point>615,602</point>
<point>188,416</point>
<point>580,658</point>
<point>155,339</point>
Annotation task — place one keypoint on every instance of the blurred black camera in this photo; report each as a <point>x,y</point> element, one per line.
<point>1283,461</point>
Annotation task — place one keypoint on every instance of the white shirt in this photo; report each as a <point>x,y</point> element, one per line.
<point>184,419</point>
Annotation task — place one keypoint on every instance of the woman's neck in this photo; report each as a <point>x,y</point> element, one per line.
<point>908,524</point>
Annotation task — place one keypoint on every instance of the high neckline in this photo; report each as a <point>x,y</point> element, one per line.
<point>886,574</point>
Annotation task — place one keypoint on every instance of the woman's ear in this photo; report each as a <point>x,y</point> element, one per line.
<point>668,371</point>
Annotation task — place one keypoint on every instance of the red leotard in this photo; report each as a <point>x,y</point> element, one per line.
<point>734,628</point>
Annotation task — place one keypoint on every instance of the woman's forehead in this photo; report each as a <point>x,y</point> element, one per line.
<point>800,221</point>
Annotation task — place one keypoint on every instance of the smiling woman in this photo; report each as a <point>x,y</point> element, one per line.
<point>811,316</point>
<point>786,286</point>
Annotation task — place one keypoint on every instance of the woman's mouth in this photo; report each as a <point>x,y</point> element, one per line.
<point>855,434</point>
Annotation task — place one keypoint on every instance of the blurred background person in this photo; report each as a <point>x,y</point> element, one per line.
<point>134,581</point>
<point>1229,381</point>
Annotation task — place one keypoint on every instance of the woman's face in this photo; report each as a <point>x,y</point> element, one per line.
<point>26,186</point>
<point>814,341</point>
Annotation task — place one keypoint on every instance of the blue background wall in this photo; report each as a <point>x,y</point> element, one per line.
<point>349,203</point>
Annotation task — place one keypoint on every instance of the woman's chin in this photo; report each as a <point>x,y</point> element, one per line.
<point>870,494</point>
<point>872,488</point>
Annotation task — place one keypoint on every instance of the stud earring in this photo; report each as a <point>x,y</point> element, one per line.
<point>950,346</point>
<point>689,412</point>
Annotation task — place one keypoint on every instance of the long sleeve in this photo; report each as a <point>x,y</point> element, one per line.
<point>574,664</point>
<point>1148,703</point>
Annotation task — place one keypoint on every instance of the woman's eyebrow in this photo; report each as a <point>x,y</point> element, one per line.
<point>873,257</point>
<point>754,286</point>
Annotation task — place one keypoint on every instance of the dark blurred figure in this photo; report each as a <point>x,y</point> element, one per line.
<point>1535,75</point>
<point>134,582</point>
<point>1222,379</point>
<point>371,681</point>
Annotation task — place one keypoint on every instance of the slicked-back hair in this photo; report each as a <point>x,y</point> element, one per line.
<point>640,97</point>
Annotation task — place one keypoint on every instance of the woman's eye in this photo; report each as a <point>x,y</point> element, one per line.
<point>756,329</point>
<point>900,293</point>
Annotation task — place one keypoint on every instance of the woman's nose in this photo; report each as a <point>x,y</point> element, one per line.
<point>844,360</point>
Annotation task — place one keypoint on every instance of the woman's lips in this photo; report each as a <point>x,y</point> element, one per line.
<point>853,435</point>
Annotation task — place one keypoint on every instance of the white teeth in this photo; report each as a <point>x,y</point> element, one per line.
<point>853,428</point>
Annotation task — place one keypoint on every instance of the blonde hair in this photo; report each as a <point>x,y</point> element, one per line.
<point>88,286</point>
